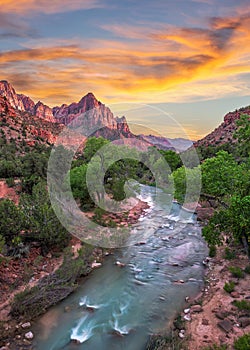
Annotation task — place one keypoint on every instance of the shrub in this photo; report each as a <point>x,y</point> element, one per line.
<point>229,287</point>
<point>236,271</point>
<point>243,343</point>
<point>212,251</point>
<point>247,269</point>
<point>229,254</point>
<point>242,304</point>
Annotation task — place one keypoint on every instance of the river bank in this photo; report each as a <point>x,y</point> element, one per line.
<point>219,321</point>
<point>18,275</point>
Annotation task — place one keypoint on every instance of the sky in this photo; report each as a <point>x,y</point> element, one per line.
<point>176,67</point>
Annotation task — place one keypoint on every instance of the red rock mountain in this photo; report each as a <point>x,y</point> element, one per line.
<point>24,128</point>
<point>224,132</point>
<point>91,112</point>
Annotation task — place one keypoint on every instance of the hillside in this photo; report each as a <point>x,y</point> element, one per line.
<point>224,132</point>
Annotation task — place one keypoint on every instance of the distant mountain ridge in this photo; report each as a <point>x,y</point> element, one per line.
<point>165,143</point>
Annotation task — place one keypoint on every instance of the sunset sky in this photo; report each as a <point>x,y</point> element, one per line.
<point>187,58</point>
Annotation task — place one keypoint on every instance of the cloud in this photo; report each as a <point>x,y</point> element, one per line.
<point>47,6</point>
<point>166,63</point>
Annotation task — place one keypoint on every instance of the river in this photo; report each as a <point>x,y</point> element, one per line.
<point>119,307</point>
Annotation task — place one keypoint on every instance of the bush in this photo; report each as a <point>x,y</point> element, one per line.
<point>229,254</point>
<point>243,343</point>
<point>212,251</point>
<point>229,287</point>
<point>247,269</point>
<point>236,271</point>
<point>242,304</point>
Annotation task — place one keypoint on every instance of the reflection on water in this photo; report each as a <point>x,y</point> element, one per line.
<point>119,307</point>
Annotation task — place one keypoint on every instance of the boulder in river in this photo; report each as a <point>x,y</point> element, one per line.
<point>29,335</point>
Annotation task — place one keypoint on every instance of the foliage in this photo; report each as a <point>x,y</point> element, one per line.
<point>11,220</point>
<point>229,287</point>
<point>163,342</point>
<point>229,254</point>
<point>243,342</point>
<point>186,183</point>
<point>236,271</point>
<point>242,304</point>
<point>247,269</point>
<point>212,251</point>
<point>50,290</point>
<point>41,223</point>
<point>219,175</point>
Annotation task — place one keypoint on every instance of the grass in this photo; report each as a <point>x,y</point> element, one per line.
<point>247,269</point>
<point>242,304</point>
<point>229,287</point>
<point>236,271</point>
<point>229,254</point>
<point>243,343</point>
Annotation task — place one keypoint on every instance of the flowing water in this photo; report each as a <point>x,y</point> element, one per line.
<point>119,307</point>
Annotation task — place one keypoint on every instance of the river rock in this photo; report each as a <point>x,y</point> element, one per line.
<point>225,325</point>
<point>187,317</point>
<point>26,325</point>
<point>120,264</point>
<point>95,265</point>
<point>244,321</point>
<point>186,311</point>
<point>196,308</point>
<point>221,315</point>
<point>235,295</point>
<point>29,335</point>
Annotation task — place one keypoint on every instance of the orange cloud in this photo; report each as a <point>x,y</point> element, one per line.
<point>47,6</point>
<point>164,64</point>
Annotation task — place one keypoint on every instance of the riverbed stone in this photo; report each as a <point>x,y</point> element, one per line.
<point>221,315</point>
<point>235,295</point>
<point>29,335</point>
<point>196,308</point>
<point>225,325</point>
<point>26,325</point>
<point>244,321</point>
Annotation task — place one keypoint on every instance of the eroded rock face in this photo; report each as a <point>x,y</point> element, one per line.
<point>224,132</point>
<point>92,115</point>
<point>6,90</point>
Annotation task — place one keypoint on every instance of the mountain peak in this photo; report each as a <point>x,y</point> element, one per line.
<point>7,90</point>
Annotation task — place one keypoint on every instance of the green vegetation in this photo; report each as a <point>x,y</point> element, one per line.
<point>52,288</point>
<point>236,271</point>
<point>229,254</point>
<point>229,287</point>
<point>247,269</point>
<point>225,179</point>
<point>212,251</point>
<point>243,343</point>
<point>242,304</point>
<point>163,342</point>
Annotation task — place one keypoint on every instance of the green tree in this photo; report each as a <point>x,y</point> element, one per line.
<point>11,220</point>
<point>41,223</point>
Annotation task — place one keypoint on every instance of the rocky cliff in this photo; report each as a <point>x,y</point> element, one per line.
<point>24,128</point>
<point>88,113</point>
<point>224,132</point>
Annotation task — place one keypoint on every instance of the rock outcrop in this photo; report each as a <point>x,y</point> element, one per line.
<point>224,132</point>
